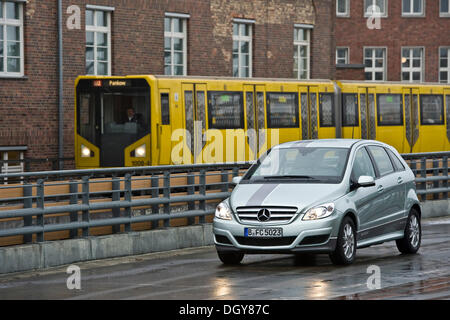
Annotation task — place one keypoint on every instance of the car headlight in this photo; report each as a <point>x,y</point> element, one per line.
<point>85,152</point>
<point>319,212</point>
<point>140,152</point>
<point>223,211</point>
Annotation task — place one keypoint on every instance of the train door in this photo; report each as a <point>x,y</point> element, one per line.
<point>305,123</point>
<point>351,105</point>
<point>431,120</point>
<point>411,109</point>
<point>326,111</point>
<point>282,112</point>
<point>163,127</point>
<point>447,116</point>
<point>255,120</point>
<point>194,105</point>
<point>390,116</point>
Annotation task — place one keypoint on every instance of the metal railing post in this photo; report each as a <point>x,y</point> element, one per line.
<point>85,200</point>
<point>40,205</point>
<point>128,197</point>
<point>202,191</point>
<point>166,191</point>
<point>155,195</point>
<point>73,189</point>
<point>28,203</point>
<point>224,178</point>
<point>435,174</point>
<point>445,173</point>
<point>115,196</point>
<point>191,191</point>
<point>423,174</point>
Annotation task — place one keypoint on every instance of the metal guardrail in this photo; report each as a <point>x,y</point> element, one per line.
<point>156,192</point>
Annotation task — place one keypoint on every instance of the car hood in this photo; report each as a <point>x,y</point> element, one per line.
<point>300,195</point>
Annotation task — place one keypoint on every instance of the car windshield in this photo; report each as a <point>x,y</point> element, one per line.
<point>325,165</point>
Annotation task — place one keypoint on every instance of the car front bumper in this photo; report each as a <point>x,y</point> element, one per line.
<point>318,236</point>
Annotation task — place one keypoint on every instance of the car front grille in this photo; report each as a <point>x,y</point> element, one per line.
<point>277,214</point>
<point>265,242</point>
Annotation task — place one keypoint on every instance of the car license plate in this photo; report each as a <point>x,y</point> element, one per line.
<point>263,232</point>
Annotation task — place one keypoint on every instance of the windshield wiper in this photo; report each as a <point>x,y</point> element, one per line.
<point>290,177</point>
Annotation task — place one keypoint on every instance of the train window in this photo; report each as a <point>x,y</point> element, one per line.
<point>165,109</point>
<point>282,109</point>
<point>326,109</point>
<point>431,109</point>
<point>397,163</point>
<point>382,160</point>
<point>225,110</point>
<point>350,110</point>
<point>390,109</point>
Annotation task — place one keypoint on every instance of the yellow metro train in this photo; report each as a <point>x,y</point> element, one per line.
<point>160,120</point>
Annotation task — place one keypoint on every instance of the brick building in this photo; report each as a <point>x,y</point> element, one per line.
<point>259,38</point>
<point>411,42</point>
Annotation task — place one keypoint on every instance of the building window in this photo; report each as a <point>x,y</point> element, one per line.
<point>342,56</point>
<point>301,53</point>
<point>375,62</point>
<point>412,64</point>
<point>242,50</point>
<point>11,39</point>
<point>175,52</point>
<point>412,8</point>
<point>444,10</point>
<point>444,65</point>
<point>98,42</point>
<point>343,8</point>
<point>375,7</point>
<point>11,161</point>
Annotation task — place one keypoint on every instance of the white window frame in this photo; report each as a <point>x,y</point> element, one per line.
<point>411,13</point>
<point>374,69</point>
<point>444,14</point>
<point>5,167</point>
<point>347,9</point>
<point>347,56</point>
<point>96,29</point>
<point>303,43</point>
<point>176,35</point>
<point>15,23</point>
<point>443,69</point>
<point>383,12</point>
<point>412,69</point>
<point>239,38</point>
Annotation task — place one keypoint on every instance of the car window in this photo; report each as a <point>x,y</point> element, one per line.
<point>362,166</point>
<point>382,160</point>
<point>397,163</point>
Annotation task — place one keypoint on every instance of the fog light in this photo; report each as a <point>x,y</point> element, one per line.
<point>85,152</point>
<point>140,152</point>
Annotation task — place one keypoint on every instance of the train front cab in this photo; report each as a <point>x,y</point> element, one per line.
<point>103,136</point>
<point>412,118</point>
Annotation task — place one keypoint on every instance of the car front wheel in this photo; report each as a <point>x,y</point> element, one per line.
<point>230,258</point>
<point>345,251</point>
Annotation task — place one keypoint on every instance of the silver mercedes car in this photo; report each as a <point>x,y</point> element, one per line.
<point>320,196</point>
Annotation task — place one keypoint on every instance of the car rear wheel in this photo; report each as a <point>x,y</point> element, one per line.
<point>345,251</point>
<point>410,243</point>
<point>230,258</point>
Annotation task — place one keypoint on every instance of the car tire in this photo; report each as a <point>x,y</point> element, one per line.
<point>410,243</point>
<point>230,258</point>
<point>345,251</point>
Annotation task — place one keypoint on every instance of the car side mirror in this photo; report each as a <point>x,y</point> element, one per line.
<point>236,180</point>
<point>366,181</point>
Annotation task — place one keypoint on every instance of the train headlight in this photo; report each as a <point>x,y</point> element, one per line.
<point>140,152</point>
<point>85,152</point>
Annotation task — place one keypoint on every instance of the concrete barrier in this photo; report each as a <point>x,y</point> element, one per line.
<point>63,252</point>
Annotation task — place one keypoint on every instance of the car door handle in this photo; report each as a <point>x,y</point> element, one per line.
<point>380,189</point>
<point>399,180</point>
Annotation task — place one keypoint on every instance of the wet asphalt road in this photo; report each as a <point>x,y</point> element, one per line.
<point>196,274</point>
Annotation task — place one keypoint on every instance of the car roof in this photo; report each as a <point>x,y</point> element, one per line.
<point>326,143</point>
